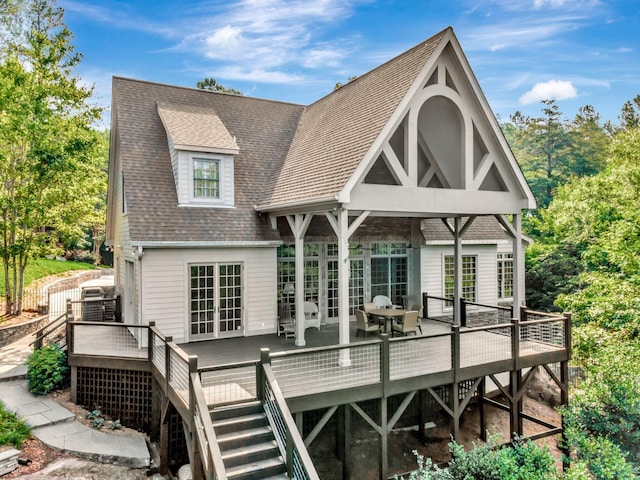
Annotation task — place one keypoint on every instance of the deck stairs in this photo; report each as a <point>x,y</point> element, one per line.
<point>248,445</point>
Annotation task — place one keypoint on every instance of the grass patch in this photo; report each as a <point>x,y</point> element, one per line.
<point>43,267</point>
<point>13,431</point>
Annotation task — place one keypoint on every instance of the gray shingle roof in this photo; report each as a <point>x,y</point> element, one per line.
<point>263,131</point>
<point>335,132</point>
<point>286,152</point>
<point>482,228</point>
<point>195,127</point>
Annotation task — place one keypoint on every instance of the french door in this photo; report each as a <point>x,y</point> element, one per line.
<point>216,301</point>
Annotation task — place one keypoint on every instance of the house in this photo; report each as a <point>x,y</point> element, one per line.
<point>221,207</point>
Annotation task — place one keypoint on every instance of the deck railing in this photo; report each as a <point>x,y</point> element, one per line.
<point>299,373</point>
<point>472,314</point>
<point>288,438</point>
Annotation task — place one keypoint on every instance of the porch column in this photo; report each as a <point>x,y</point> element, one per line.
<point>299,224</point>
<point>518,266</point>
<point>457,270</point>
<point>343,283</point>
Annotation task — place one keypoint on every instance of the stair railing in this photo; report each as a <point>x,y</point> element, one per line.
<point>51,327</point>
<point>210,453</point>
<point>288,438</point>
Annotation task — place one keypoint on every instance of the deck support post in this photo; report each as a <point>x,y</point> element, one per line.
<point>515,420</point>
<point>518,265</point>
<point>384,439</point>
<point>343,439</point>
<point>483,409</point>
<point>422,418</point>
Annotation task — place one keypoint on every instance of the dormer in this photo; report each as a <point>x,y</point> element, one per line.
<point>202,152</point>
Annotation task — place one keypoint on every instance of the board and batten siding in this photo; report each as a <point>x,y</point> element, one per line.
<point>432,267</point>
<point>165,287</point>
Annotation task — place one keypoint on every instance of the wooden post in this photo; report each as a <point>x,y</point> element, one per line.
<point>265,359</point>
<point>483,409</point>
<point>463,312</point>
<point>384,439</point>
<point>346,464</point>
<point>564,389</point>
<point>455,387</point>
<point>422,418</point>
<point>167,362</point>
<point>69,329</point>
<point>425,305</point>
<point>150,342</point>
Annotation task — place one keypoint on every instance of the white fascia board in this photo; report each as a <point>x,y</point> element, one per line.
<point>197,148</point>
<point>206,244</point>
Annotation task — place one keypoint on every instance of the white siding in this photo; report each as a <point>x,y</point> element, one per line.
<point>166,282</point>
<point>432,267</point>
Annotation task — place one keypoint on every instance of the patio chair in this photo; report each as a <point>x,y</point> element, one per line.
<point>311,315</point>
<point>363,324</point>
<point>408,324</point>
<point>286,323</point>
<point>382,301</point>
<point>368,307</point>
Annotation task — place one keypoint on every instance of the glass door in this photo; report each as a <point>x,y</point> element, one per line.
<point>230,308</point>
<point>216,301</point>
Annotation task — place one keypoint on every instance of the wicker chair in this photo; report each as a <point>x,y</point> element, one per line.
<point>311,315</point>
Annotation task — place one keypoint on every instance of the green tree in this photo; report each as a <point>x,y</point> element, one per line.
<point>49,154</point>
<point>212,84</point>
<point>551,150</point>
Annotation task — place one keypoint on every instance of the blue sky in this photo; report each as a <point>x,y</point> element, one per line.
<point>522,51</point>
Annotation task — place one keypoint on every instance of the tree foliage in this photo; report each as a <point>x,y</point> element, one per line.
<point>552,150</point>
<point>49,154</point>
<point>603,418</point>
<point>212,84</point>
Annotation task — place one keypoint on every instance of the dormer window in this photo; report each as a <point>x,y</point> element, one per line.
<point>210,179</point>
<point>206,178</point>
<point>202,156</point>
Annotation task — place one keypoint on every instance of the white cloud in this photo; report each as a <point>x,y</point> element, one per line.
<point>268,37</point>
<point>551,90</point>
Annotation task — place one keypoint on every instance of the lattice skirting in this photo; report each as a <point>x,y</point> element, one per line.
<point>122,394</point>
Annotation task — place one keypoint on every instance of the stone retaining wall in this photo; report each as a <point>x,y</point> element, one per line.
<point>74,281</point>
<point>15,332</point>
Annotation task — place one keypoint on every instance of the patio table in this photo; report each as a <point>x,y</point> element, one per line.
<point>388,314</point>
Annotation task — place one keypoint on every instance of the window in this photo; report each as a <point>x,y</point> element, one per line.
<point>389,271</point>
<point>469,272</point>
<point>287,273</point>
<point>206,178</point>
<point>505,275</point>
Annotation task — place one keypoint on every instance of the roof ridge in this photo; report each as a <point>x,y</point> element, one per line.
<point>357,80</point>
<point>194,89</point>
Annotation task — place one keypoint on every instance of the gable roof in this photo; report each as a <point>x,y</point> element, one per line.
<point>285,155</point>
<point>335,132</point>
<point>192,128</point>
<point>263,130</point>
<point>485,229</point>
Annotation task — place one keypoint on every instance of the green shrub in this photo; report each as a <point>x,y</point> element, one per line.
<point>13,431</point>
<point>522,461</point>
<point>46,369</point>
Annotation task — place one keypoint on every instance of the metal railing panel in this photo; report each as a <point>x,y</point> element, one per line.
<point>539,336</point>
<point>415,356</point>
<point>234,384</point>
<point>108,339</point>
<point>159,349</point>
<point>327,369</point>
<point>289,440</point>
<point>484,345</point>
<point>179,373</point>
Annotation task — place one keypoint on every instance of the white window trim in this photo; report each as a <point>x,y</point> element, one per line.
<point>222,165</point>
<point>503,257</point>
<point>446,308</point>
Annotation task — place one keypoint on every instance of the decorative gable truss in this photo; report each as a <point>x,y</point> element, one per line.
<point>202,151</point>
<point>442,151</point>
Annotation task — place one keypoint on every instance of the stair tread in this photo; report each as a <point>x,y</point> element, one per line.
<point>256,447</point>
<point>250,432</point>
<point>255,466</point>
<point>282,476</point>
<point>239,419</point>
<point>234,410</point>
